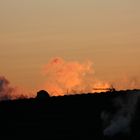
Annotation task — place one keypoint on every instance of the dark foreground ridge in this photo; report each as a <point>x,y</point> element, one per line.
<point>105,116</point>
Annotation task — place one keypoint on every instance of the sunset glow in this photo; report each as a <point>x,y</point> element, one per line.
<point>68,47</point>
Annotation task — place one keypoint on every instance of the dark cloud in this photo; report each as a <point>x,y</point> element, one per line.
<point>5,89</point>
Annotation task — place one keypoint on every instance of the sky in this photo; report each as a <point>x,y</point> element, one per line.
<point>32,32</point>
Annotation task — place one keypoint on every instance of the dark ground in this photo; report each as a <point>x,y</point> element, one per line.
<point>68,117</point>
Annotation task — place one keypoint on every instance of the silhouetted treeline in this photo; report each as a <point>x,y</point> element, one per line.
<point>111,115</point>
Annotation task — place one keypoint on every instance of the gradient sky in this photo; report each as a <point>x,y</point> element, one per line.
<point>104,31</point>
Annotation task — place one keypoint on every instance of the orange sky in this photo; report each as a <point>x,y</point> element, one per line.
<point>33,31</point>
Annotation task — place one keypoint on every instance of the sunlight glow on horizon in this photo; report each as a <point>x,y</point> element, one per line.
<point>105,32</point>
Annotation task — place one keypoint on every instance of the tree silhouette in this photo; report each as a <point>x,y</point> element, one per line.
<point>42,94</point>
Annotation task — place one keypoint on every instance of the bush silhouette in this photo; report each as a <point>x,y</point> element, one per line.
<point>42,94</point>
